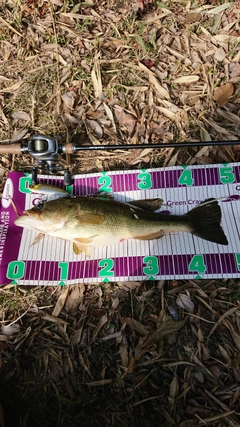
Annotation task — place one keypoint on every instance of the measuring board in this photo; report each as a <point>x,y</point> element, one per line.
<point>174,256</point>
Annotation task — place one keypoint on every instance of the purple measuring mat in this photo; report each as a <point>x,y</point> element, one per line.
<point>175,256</point>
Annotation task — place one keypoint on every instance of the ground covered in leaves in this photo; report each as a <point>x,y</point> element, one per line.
<point>120,72</point>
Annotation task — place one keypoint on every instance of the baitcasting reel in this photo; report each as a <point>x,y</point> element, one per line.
<point>45,151</point>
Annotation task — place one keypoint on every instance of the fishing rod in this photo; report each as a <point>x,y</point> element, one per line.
<point>46,149</point>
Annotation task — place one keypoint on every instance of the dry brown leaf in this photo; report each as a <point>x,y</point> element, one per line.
<point>218,128</point>
<point>60,302</point>
<point>68,101</point>
<point>96,127</point>
<point>144,153</point>
<point>234,70</point>
<point>99,165</point>
<point>12,88</point>
<point>129,285</point>
<point>96,79</point>
<point>76,336</point>
<point>136,326</point>
<point>110,115</point>
<point>169,114</point>
<point>57,2</point>
<point>99,383</point>
<point>223,93</point>
<point>193,17</point>
<point>53,319</point>
<point>101,323</point>
<point>117,335</point>
<point>5,23</point>
<point>19,134</point>
<point>75,297</point>
<point>235,335</point>
<point>115,303</point>
<point>160,90</point>
<point>185,302</point>
<point>173,159</point>
<point>166,328</point>
<point>186,79</point>
<point>152,79</point>
<point>199,376</point>
<point>69,388</point>
<point>125,120</point>
<point>226,314</point>
<point>167,416</point>
<point>124,355</point>
<point>173,391</point>
<point>11,329</point>
<point>220,54</point>
<point>20,115</point>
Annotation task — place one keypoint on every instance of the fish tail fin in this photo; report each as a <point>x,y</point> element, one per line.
<point>205,222</point>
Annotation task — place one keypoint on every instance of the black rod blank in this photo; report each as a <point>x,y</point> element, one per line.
<point>159,145</point>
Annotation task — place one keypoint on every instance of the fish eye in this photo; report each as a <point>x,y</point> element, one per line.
<point>39,206</point>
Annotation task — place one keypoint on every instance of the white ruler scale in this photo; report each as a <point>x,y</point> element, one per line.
<point>175,256</point>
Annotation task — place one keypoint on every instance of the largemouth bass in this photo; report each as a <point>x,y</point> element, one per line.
<point>91,221</point>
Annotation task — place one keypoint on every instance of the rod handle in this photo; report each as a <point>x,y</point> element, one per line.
<point>10,149</point>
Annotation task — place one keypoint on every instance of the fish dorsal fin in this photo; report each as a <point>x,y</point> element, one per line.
<point>102,196</point>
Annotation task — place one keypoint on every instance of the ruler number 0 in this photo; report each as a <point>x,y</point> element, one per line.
<point>15,270</point>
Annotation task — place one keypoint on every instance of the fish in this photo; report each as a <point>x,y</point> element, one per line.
<point>89,222</point>
<point>47,189</point>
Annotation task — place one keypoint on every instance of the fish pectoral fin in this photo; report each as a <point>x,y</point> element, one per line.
<point>151,236</point>
<point>81,245</point>
<point>78,248</point>
<point>91,218</point>
<point>38,238</point>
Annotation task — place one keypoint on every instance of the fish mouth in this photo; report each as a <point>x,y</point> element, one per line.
<point>31,214</point>
<point>27,218</point>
